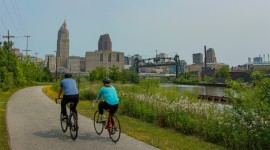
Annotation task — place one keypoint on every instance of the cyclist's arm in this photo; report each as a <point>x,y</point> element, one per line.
<point>59,93</point>
<point>100,93</point>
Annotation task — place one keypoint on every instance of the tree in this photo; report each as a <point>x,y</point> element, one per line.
<point>98,74</point>
<point>114,73</point>
<point>223,72</point>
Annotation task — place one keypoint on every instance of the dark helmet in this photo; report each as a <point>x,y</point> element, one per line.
<point>68,75</point>
<point>106,81</point>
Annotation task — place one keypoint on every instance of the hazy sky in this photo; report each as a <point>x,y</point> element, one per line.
<point>236,29</point>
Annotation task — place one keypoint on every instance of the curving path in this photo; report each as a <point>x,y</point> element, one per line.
<point>33,124</point>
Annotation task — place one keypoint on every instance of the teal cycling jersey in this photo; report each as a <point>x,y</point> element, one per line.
<point>109,94</point>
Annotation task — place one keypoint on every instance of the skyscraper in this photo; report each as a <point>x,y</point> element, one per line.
<point>197,58</point>
<point>63,46</point>
<point>105,43</point>
<point>210,56</point>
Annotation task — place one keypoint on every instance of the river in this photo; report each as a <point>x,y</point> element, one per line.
<point>200,90</point>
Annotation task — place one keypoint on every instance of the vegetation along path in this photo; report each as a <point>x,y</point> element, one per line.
<point>33,123</point>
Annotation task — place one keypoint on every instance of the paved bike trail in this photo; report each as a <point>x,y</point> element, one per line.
<point>33,124</point>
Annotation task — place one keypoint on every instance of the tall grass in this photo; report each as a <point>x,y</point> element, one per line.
<point>235,127</point>
<point>245,124</point>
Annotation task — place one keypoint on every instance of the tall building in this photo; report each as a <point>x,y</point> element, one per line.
<point>50,62</point>
<point>104,56</point>
<point>257,60</point>
<point>105,43</point>
<point>74,63</point>
<point>106,59</point>
<point>63,46</point>
<point>210,56</point>
<point>197,58</point>
<point>82,64</point>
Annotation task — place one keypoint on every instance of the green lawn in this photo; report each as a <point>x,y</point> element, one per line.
<point>147,132</point>
<point>3,128</point>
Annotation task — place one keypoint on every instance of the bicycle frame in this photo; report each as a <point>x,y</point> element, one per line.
<point>112,125</point>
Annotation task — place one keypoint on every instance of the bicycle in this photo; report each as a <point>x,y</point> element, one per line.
<point>70,121</point>
<point>112,125</point>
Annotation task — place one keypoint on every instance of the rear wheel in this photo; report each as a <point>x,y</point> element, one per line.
<point>114,129</point>
<point>64,124</point>
<point>99,126</point>
<point>73,126</point>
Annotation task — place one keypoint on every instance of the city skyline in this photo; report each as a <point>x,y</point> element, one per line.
<point>235,30</point>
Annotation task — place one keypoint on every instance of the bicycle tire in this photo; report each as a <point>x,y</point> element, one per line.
<point>64,123</point>
<point>99,126</point>
<point>115,130</point>
<point>73,126</point>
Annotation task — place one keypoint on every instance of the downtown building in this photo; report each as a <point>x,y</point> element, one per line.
<point>62,53</point>
<point>104,56</point>
<point>197,58</point>
<point>211,56</point>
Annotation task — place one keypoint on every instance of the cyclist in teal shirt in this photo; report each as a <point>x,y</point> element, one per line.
<point>111,98</point>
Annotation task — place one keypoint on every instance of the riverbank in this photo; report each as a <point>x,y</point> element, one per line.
<point>203,84</point>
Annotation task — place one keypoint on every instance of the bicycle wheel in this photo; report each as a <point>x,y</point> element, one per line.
<point>99,126</point>
<point>64,123</point>
<point>115,130</point>
<point>73,126</point>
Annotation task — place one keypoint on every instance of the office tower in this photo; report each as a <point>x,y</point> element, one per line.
<point>210,56</point>
<point>105,43</point>
<point>63,46</point>
<point>197,58</point>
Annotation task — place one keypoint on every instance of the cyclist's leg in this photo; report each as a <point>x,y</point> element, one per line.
<point>74,99</point>
<point>101,106</point>
<point>63,105</point>
<point>113,109</point>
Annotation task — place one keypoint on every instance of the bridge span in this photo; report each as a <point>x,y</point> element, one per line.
<point>156,75</point>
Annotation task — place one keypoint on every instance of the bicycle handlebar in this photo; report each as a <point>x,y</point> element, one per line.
<point>97,101</point>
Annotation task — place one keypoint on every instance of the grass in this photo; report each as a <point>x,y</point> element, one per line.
<point>159,137</point>
<point>3,127</point>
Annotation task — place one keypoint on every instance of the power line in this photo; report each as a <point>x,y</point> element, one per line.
<point>20,16</point>
<point>3,23</point>
<point>20,24</point>
<point>10,16</point>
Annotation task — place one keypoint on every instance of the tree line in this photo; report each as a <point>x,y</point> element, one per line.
<point>17,72</point>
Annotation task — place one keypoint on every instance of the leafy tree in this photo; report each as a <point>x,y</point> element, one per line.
<point>98,74</point>
<point>114,73</point>
<point>223,72</point>
<point>132,76</point>
<point>10,72</point>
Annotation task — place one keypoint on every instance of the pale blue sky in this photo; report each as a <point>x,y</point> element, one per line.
<point>236,29</point>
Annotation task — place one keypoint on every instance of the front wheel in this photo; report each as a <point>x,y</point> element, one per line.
<point>99,126</point>
<point>73,126</point>
<point>114,129</point>
<point>64,123</point>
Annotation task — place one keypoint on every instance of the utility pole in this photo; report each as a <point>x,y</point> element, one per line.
<point>56,66</point>
<point>205,58</point>
<point>36,56</point>
<point>8,37</point>
<point>27,36</point>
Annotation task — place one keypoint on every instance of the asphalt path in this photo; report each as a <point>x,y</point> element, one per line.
<point>33,124</point>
